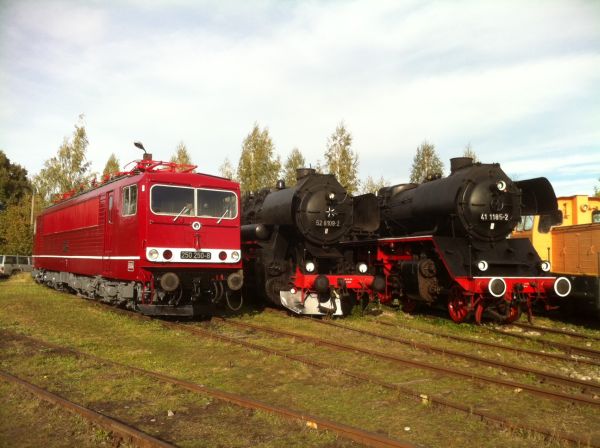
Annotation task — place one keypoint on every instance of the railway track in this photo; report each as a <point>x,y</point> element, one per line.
<point>567,348</point>
<point>367,438</point>
<point>562,380</point>
<point>543,329</point>
<point>126,432</point>
<point>593,355</point>
<point>448,371</point>
<point>483,414</point>
<point>553,356</point>
<point>417,395</point>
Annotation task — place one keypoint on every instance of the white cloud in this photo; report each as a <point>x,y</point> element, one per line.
<point>497,75</point>
<point>66,22</point>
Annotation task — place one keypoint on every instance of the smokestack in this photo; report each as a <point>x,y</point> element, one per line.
<point>458,163</point>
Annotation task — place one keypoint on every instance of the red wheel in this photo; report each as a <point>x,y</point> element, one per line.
<point>458,304</point>
<point>479,309</point>
<point>513,314</point>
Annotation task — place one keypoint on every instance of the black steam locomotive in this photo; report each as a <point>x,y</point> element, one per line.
<point>291,253</point>
<point>445,242</point>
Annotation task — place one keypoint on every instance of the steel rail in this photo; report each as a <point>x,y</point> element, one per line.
<point>424,398</point>
<point>567,348</point>
<point>555,330</point>
<point>482,414</point>
<point>418,396</point>
<point>555,356</point>
<point>349,432</point>
<point>547,376</point>
<point>556,395</point>
<point>124,431</point>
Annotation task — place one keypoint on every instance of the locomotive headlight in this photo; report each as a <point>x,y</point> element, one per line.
<point>501,185</point>
<point>235,255</point>
<point>310,266</point>
<point>152,254</point>
<point>362,268</point>
<point>482,265</point>
<point>331,196</point>
<point>545,265</point>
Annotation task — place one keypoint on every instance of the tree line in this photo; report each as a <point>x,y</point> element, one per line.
<point>259,166</point>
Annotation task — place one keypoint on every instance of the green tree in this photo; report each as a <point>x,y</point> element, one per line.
<point>371,185</point>
<point>68,170</point>
<point>294,161</point>
<point>13,181</point>
<point>258,167</point>
<point>112,165</point>
<point>182,155</point>
<point>426,163</point>
<point>15,227</point>
<point>468,152</point>
<point>341,159</point>
<point>226,170</point>
<point>597,189</point>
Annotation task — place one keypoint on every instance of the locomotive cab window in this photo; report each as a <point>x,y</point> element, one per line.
<point>217,204</point>
<point>525,224</point>
<point>166,200</point>
<point>129,202</point>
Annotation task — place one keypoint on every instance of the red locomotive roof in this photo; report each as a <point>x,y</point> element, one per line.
<point>162,171</point>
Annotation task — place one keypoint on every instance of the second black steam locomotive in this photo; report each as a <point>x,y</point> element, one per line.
<point>445,242</point>
<point>291,253</point>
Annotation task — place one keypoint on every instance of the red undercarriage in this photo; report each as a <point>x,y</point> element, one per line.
<point>465,295</point>
<point>357,283</point>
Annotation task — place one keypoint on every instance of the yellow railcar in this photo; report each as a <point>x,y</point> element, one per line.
<point>573,248</point>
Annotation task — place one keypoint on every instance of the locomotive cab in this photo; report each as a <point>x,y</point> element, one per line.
<point>193,244</point>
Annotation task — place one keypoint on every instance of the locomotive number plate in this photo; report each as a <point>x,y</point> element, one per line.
<point>327,223</point>
<point>193,255</point>
<point>494,217</point>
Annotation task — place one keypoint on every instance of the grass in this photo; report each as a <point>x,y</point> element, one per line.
<point>63,319</point>
<point>27,421</point>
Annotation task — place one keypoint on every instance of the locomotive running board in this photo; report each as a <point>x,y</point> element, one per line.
<point>311,305</point>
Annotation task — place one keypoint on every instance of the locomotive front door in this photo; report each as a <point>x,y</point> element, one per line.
<point>108,233</point>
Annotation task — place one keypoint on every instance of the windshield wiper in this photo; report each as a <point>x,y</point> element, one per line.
<point>222,216</point>
<point>183,210</point>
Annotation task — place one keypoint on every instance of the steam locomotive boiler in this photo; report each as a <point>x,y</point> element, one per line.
<point>445,241</point>
<point>290,238</point>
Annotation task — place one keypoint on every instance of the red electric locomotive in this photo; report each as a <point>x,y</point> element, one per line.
<point>159,239</point>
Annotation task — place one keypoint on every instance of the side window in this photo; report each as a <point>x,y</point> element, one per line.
<point>110,207</point>
<point>525,224</point>
<point>11,260</point>
<point>596,216</point>
<point>22,260</point>
<point>129,202</point>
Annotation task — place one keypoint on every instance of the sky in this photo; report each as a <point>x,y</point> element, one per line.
<point>517,80</point>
